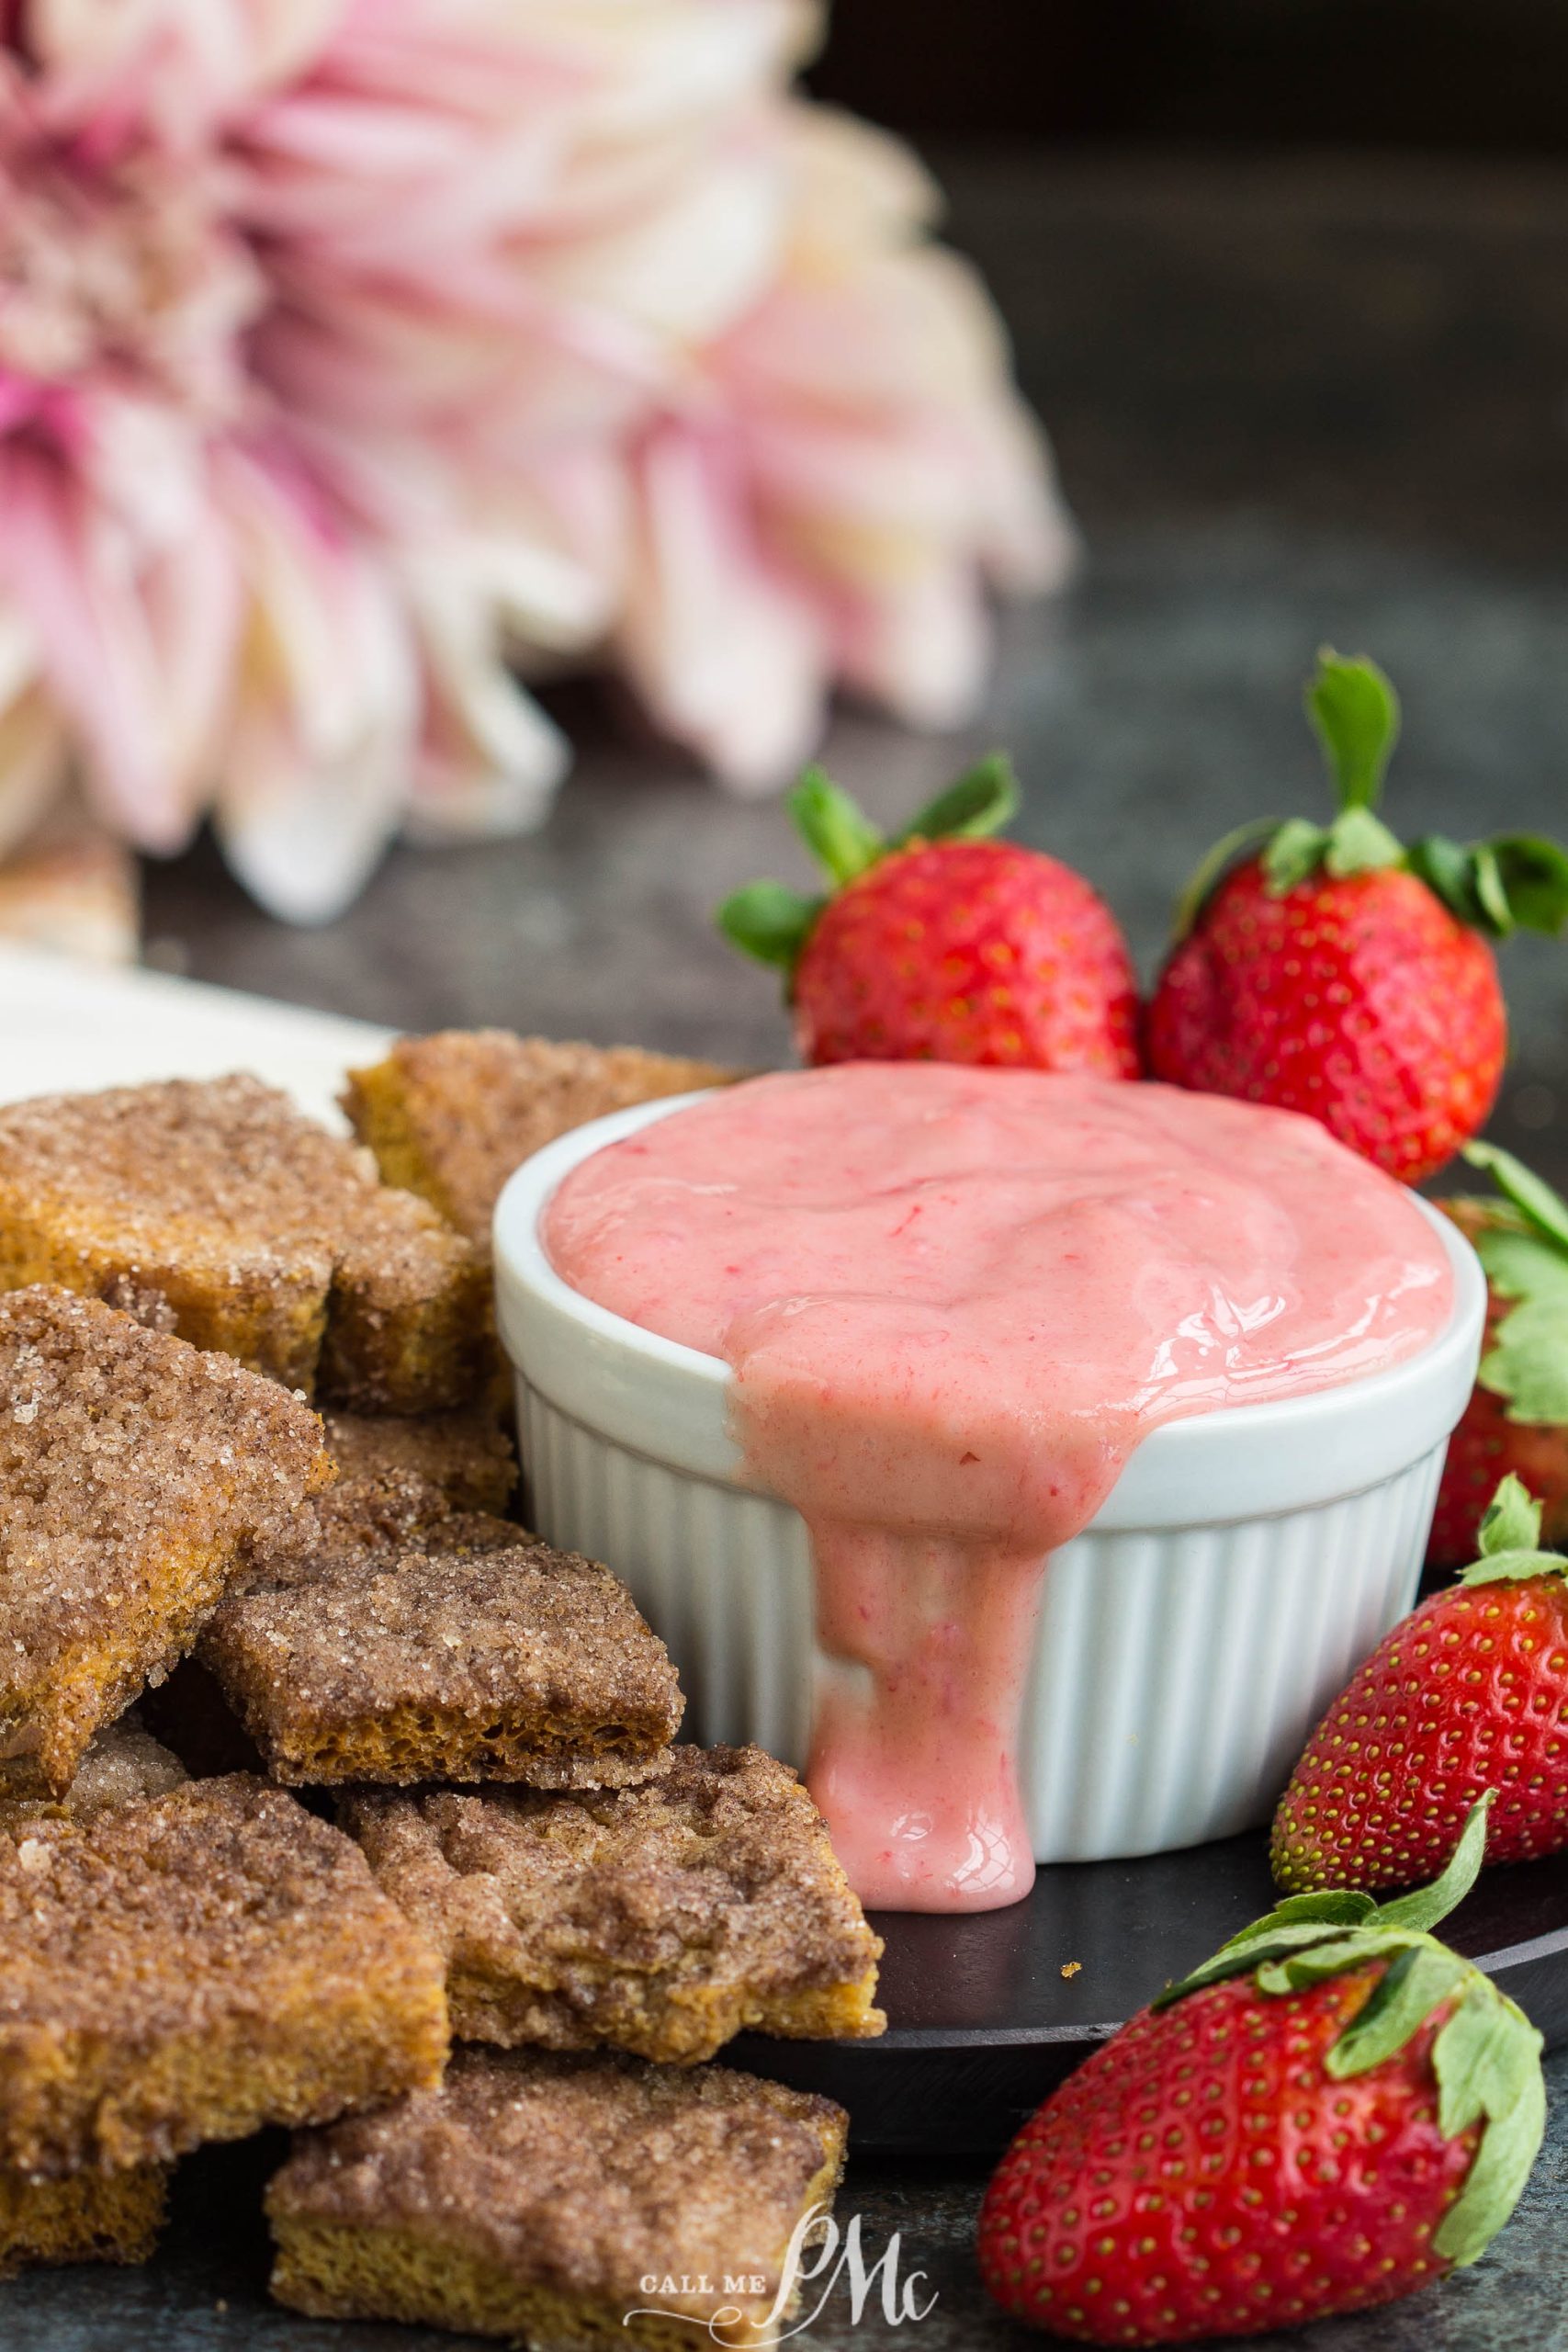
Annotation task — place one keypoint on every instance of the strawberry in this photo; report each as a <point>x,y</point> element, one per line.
<point>1335,2110</point>
<point>1517,1416</point>
<point>943,945</point>
<point>1467,1696</point>
<point>1335,972</point>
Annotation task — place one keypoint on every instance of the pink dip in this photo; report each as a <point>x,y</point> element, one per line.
<point>954,1301</point>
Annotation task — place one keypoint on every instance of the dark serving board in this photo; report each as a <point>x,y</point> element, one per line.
<point>981,2021</point>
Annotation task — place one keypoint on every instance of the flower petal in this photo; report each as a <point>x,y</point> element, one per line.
<point>74,573</point>
<point>920,649</point>
<point>321,737</point>
<point>728,660</point>
<point>490,762</point>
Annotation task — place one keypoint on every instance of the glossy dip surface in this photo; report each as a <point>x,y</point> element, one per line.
<point>953,1301</point>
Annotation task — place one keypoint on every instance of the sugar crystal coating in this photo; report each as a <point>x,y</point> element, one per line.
<point>535,2193</point>
<point>376,1515</point>
<point>132,1470</point>
<point>663,1918</point>
<point>193,1966</point>
<point>466,1454</point>
<point>399,1645</point>
<point>381,1515</point>
<point>216,1208</point>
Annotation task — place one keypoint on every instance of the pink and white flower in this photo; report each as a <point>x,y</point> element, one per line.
<point>349,348</point>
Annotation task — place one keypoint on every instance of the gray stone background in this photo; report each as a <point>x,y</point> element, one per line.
<point>1292,400</point>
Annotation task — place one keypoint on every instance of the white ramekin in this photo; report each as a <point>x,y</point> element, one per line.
<point>1188,1640</point>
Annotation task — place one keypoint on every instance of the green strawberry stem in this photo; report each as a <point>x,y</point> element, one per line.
<point>1525,1254</point>
<point>1356,711</point>
<point>1517,881</point>
<point>772,922</point>
<point>1486,2055</point>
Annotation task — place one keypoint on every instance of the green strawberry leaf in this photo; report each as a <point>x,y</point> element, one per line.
<point>1523,1264</point>
<point>1514,881</point>
<point>1356,713</point>
<point>1514,1567</point>
<point>839,836</point>
<point>1309,1936</point>
<point>1264,1943</point>
<point>1298,1969</point>
<point>1531,1195</point>
<point>846,844</point>
<point>1410,1988</point>
<point>1359,843</point>
<point>1423,1906</point>
<point>1335,1907</point>
<point>1511,1521</point>
<point>1207,874</point>
<point>1533,875</point>
<point>1297,850</point>
<point>980,803</point>
<point>1503,2075</point>
<point>1527,1259</point>
<point>1526,1363</point>
<point>1472,2061</point>
<point>1356,843</point>
<point>1448,868</point>
<point>770,922</point>
<point>1491,894</point>
<point>1510,1539</point>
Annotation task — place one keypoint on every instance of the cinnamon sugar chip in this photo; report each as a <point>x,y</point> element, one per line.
<point>536,2196</point>
<point>216,1206</point>
<point>86,2217</point>
<point>452,1116</point>
<point>397,1645</point>
<point>468,1455</point>
<point>663,1919</point>
<point>378,1515</point>
<point>193,1967</point>
<point>133,1471</point>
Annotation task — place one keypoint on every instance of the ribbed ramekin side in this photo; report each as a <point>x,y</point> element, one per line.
<point>1176,1675</point>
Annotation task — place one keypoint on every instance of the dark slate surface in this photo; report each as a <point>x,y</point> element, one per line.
<point>1292,402</point>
